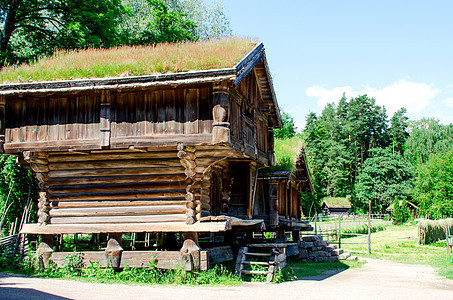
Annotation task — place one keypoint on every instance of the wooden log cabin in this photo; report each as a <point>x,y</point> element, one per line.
<point>161,153</point>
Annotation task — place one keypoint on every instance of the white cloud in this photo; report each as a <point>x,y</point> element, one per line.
<point>449,102</point>
<point>414,96</point>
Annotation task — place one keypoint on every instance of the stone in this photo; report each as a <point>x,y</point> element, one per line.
<point>305,245</point>
<point>344,255</point>
<point>337,252</point>
<point>303,253</point>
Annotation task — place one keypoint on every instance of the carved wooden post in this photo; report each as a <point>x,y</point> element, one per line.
<point>187,158</point>
<point>45,250</point>
<point>38,162</point>
<point>189,255</point>
<point>113,251</point>
<point>105,119</point>
<point>43,209</point>
<point>273,199</point>
<point>2,122</point>
<point>220,129</point>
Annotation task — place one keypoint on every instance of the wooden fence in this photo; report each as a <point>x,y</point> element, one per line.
<point>14,244</point>
<point>330,227</point>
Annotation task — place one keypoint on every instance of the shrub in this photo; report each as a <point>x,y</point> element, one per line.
<point>401,212</point>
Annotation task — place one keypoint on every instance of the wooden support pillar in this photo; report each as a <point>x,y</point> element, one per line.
<point>114,250</point>
<point>273,199</point>
<point>221,126</point>
<point>281,236</point>
<point>270,147</point>
<point>105,120</point>
<point>45,250</point>
<point>189,255</point>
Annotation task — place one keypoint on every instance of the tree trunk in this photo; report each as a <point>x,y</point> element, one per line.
<point>9,27</point>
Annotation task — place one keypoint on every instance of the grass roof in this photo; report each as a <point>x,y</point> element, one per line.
<point>337,201</point>
<point>132,61</point>
<point>286,153</point>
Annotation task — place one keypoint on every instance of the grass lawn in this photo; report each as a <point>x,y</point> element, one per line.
<point>399,243</point>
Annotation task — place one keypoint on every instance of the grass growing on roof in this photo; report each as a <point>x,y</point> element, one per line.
<point>132,61</point>
<point>286,153</point>
<point>337,201</point>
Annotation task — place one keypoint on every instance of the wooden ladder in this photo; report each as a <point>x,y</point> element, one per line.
<point>270,256</point>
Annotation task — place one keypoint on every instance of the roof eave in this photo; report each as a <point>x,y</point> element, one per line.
<point>213,75</point>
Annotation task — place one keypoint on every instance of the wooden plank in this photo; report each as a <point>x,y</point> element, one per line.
<point>119,219</point>
<point>46,146</point>
<point>161,139</point>
<point>114,179</point>
<point>118,211</point>
<point>220,254</point>
<point>170,111</point>
<point>114,164</point>
<point>153,194</point>
<point>144,186</point>
<point>218,226</point>
<point>113,156</point>
<point>120,203</point>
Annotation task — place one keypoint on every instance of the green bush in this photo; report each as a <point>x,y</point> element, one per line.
<point>401,212</point>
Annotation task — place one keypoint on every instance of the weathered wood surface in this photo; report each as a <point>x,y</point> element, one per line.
<point>218,226</point>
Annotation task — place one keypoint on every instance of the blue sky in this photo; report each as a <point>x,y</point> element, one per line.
<point>399,52</point>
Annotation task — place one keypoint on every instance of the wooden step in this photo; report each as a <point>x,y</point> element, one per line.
<point>253,272</point>
<point>257,254</point>
<point>259,263</point>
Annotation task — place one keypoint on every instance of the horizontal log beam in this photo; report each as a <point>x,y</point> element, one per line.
<point>118,211</point>
<point>119,219</point>
<point>150,186</point>
<point>82,204</point>
<point>114,179</point>
<point>218,226</point>
<point>130,195</point>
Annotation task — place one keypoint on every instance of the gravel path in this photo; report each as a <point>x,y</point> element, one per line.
<point>378,279</point>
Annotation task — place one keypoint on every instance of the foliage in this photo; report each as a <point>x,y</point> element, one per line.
<point>166,26</point>
<point>41,26</point>
<point>35,28</point>
<point>385,177</point>
<point>430,231</point>
<point>288,129</point>
<point>427,137</point>
<point>338,141</point>
<point>20,185</point>
<point>433,187</point>
<point>398,131</point>
<point>210,19</point>
<point>132,61</point>
<point>401,212</point>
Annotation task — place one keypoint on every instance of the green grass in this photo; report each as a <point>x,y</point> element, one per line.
<point>302,270</point>
<point>399,243</point>
<point>132,61</point>
<point>286,154</point>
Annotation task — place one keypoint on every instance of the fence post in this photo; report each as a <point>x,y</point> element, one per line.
<point>339,232</point>
<point>316,219</point>
<point>369,229</point>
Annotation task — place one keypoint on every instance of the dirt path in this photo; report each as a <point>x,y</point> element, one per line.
<point>377,279</point>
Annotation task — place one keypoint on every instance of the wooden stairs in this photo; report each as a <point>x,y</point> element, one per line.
<point>261,259</point>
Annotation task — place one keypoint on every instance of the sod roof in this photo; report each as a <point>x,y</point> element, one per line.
<point>337,202</point>
<point>132,61</point>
